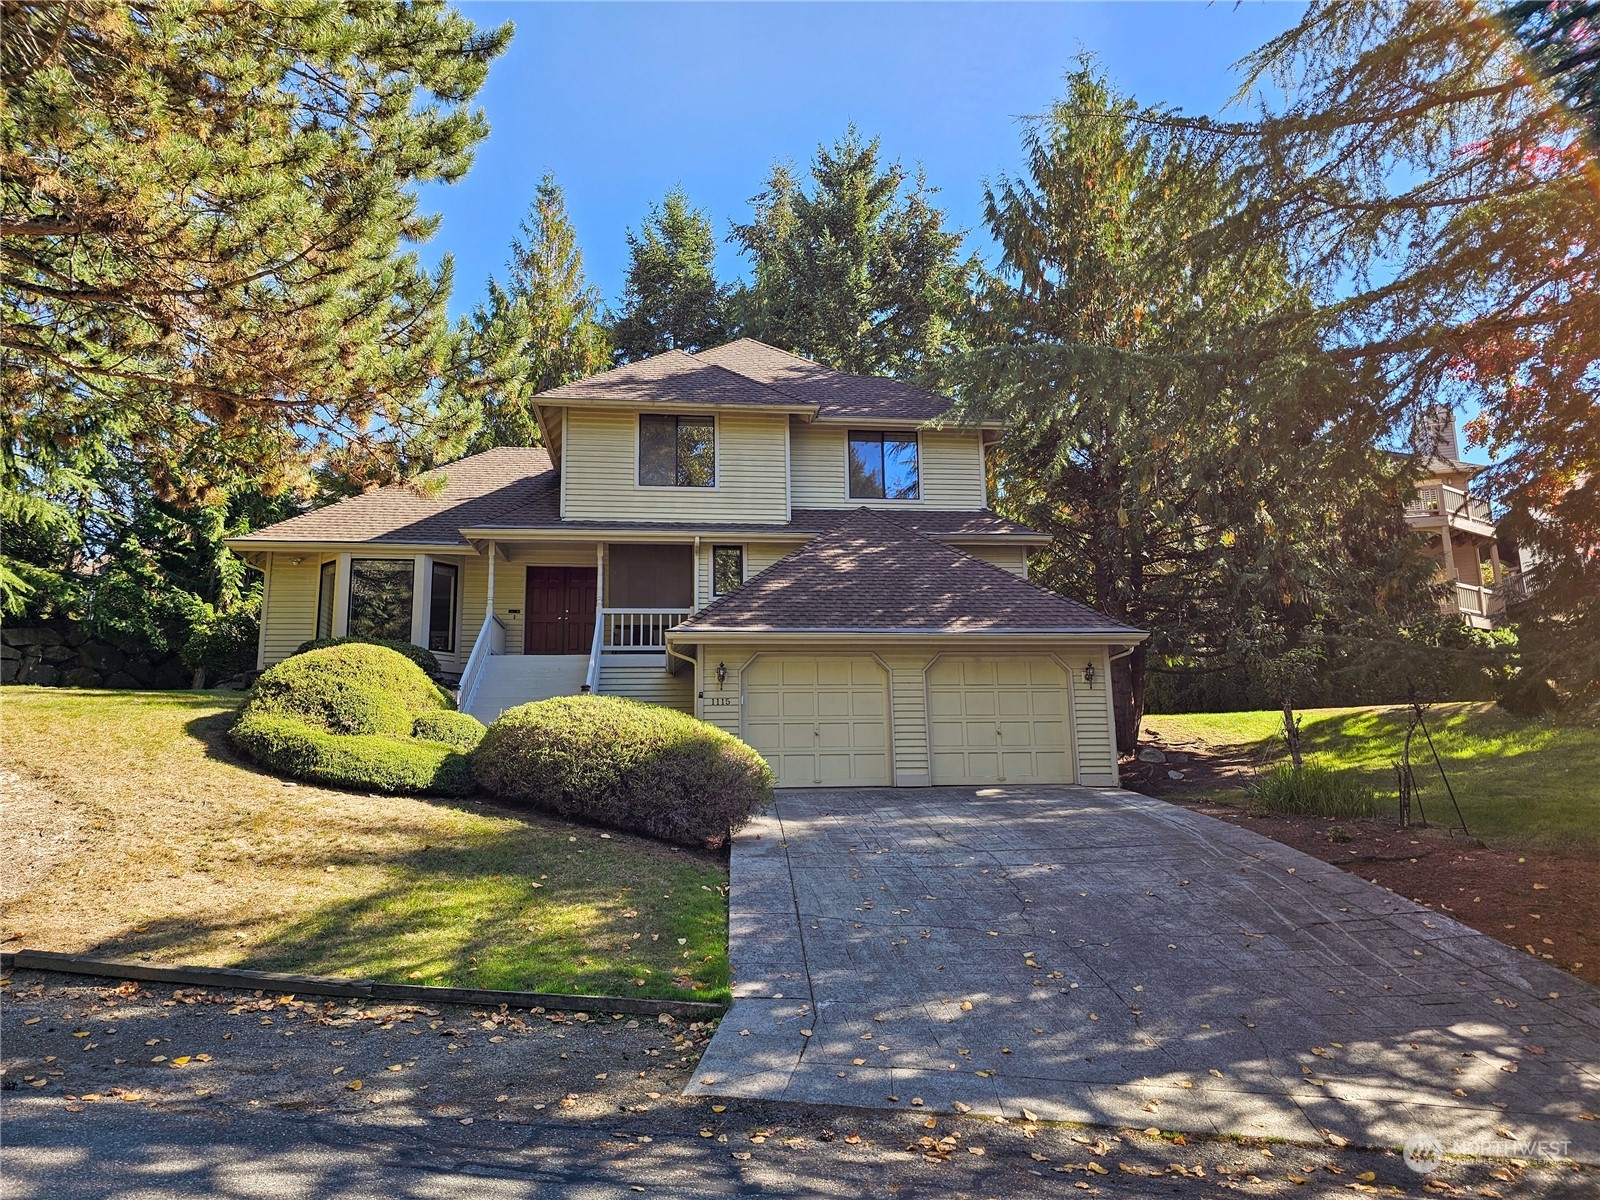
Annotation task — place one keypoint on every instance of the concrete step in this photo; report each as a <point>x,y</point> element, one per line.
<point>512,679</point>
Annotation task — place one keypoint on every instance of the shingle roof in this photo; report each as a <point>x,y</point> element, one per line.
<point>871,575</point>
<point>477,491</point>
<point>542,511</point>
<point>836,393</point>
<point>670,380</point>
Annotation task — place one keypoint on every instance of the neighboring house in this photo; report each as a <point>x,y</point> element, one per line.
<point>801,556</point>
<point>1460,527</point>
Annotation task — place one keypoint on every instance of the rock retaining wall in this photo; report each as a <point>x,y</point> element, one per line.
<point>67,656</point>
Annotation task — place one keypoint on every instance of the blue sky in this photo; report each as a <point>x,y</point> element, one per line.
<point>621,101</point>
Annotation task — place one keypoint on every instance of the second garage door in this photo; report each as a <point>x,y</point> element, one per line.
<point>998,720</point>
<point>819,721</point>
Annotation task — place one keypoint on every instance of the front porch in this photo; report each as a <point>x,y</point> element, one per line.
<point>562,620</point>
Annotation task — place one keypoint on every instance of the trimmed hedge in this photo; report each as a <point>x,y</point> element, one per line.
<point>358,715</point>
<point>458,729</point>
<point>420,655</point>
<point>632,766</point>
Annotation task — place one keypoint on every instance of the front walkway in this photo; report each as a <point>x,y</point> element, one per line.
<point>1099,956</point>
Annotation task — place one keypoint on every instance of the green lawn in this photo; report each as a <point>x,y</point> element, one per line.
<point>132,828</point>
<point>1515,778</point>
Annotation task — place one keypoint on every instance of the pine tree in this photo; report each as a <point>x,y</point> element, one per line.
<point>856,270</point>
<point>206,218</point>
<point>671,298</point>
<point>1173,423</point>
<point>541,328</point>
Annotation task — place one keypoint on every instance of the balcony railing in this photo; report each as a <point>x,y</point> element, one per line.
<point>638,630</point>
<point>1435,499</point>
<point>1477,601</point>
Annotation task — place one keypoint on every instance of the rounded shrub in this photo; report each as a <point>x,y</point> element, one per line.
<point>420,655</point>
<point>358,715</point>
<point>632,766</point>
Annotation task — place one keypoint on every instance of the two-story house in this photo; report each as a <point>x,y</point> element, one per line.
<point>1459,527</point>
<point>804,557</point>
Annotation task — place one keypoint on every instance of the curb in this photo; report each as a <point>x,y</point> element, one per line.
<point>359,989</point>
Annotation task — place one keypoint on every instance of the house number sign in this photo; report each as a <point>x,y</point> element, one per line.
<point>722,702</point>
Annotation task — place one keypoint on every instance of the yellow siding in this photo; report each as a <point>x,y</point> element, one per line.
<point>510,589</point>
<point>290,616</point>
<point>909,698</point>
<point>600,479</point>
<point>649,685</point>
<point>951,468</point>
<point>1091,713</point>
<point>724,715</point>
<point>1012,558</point>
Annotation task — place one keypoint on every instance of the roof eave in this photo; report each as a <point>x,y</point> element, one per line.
<point>687,633</point>
<point>313,545</point>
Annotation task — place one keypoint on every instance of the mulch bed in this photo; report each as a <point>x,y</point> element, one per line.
<point>1537,900</point>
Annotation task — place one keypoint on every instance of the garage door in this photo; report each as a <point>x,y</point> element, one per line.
<point>819,721</point>
<point>998,720</point>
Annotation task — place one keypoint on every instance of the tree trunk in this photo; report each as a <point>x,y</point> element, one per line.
<point>1291,732</point>
<point>1127,698</point>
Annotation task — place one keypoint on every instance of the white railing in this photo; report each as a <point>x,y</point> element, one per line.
<point>1477,601</point>
<point>491,640</point>
<point>638,630</point>
<point>591,677</point>
<point>1436,499</point>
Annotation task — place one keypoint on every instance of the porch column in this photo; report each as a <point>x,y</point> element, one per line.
<point>1494,563</point>
<point>488,610</point>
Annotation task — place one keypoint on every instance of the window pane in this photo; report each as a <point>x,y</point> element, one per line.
<point>696,453</point>
<point>442,609</point>
<point>325,599</point>
<point>900,468</point>
<point>727,569</point>
<point>380,598</point>
<point>866,466</point>
<point>658,450</point>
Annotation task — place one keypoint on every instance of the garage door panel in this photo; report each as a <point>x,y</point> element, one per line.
<point>821,721</point>
<point>998,719</point>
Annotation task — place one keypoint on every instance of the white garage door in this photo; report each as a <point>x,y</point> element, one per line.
<point>998,720</point>
<point>819,721</point>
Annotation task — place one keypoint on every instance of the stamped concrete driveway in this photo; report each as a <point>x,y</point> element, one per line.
<point>1099,956</point>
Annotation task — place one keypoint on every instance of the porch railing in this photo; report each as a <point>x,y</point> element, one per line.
<point>491,640</point>
<point>1436,499</point>
<point>1478,601</point>
<point>638,630</point>
<point>591,677</point>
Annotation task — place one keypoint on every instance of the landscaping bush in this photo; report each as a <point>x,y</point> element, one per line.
<point>628,765</point>
<point>420,655</point>
<point>358,715</point>
<point>1313,790</point>
<point>458,729</point>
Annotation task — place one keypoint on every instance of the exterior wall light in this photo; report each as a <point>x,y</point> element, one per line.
<point>1088,674</point>
<point>722,673</point>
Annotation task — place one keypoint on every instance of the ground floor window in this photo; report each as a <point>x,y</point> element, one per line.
<point>727,569</point>
<point>442,609</point>
<point>329,572</point>
<point>380,598</point>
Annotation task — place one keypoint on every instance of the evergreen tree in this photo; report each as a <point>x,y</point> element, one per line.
<point>857,270</point>
<point>1434,176</point>
<point>538,330</point>
<point>205,211</point>
<point>1173,423</point>
<point>671,299</point>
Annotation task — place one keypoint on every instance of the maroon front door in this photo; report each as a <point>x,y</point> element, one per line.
<point>559,615</point>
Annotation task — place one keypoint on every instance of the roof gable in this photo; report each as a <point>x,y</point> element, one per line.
<point>869,574</point>
<point>837,394</point>
<point>671,380</point>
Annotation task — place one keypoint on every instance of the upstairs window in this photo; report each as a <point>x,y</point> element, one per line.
<point>727,569</point>
<point>677,451</point>
<point>442,608</point>
<point>380,598</point>
<point>883,466</point>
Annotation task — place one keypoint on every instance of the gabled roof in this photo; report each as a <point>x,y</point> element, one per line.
<point>837,394</point>
<point>672,380</point>
<point>870,575</point>
<point>476,490</point>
